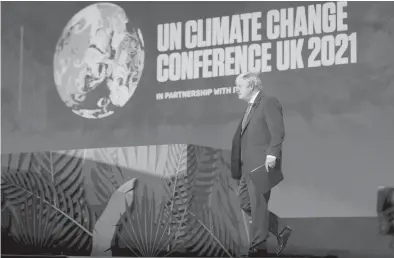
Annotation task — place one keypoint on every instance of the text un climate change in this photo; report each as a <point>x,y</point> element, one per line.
<point>200,61</point>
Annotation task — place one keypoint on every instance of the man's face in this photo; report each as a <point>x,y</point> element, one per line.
<point>244,90</point>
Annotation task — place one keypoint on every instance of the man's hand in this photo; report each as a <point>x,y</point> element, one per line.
<point>270,162</point>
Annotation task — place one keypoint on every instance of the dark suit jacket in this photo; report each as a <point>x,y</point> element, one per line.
<point>263,135</point>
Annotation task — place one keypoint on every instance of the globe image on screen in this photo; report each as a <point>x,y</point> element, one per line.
<point>98,61</point>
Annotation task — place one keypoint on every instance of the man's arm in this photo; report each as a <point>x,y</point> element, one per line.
<point>274,119</point>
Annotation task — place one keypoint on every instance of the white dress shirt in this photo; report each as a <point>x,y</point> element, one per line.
<point>253,98</point>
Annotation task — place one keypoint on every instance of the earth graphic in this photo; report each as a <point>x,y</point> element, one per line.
<point>98,61</point>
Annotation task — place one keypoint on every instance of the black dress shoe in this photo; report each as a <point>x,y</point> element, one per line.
<point>282,239</point>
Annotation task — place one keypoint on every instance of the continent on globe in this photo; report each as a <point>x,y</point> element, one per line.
<point>98,61</point>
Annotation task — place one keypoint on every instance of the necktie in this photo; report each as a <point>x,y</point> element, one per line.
<point>246,115</point>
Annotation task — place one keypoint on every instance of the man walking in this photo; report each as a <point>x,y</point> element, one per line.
<point>256,160</point>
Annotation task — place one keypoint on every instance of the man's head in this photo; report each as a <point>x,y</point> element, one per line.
<point>248,84</point>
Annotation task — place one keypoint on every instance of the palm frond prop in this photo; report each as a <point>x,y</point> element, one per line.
<point>15,162</point>
<point>57,182</point>
<point>114,166</point>
<point>16,187</point>
<point>225,189</point>
<point>140,229</point>
<point>63,169</point>
<point>206,176</point>
<point>211,203</point>
<point>213,240</point>
<point>189,191</point>
<point>177,209</point>
<point>5,218</point>
<point>35,223</point>
<point>107,174</point>
<point>179,190</point>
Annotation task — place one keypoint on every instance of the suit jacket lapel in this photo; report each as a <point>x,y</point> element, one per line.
<point>255,104</point>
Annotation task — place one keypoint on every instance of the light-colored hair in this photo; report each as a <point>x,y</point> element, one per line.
<point>252,78</point>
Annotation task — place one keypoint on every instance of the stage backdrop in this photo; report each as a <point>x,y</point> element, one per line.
<point>83,75</point>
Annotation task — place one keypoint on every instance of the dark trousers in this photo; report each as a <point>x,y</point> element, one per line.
<point>255,205</point>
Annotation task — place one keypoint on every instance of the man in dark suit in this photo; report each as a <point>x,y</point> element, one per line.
<point>256,161</point>
<point>385,210</point>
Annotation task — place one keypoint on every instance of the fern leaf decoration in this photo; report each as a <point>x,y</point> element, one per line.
<point>35,223</point>
<point>211,241</point>
<point>107,175</point>
<point>180,170</point>
<point>140,230</point>
<point>74,217</point>
<point>206,176</point>
<point>16,187</point>
<point>15,162</point>
<point>63,169</point>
